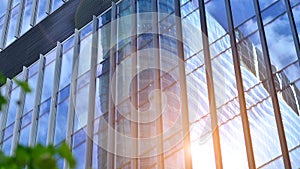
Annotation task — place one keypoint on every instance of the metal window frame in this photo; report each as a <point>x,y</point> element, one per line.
<point>134,162</point>
<point>210,86</point>
<point>37,101</point>
<point>72,99</point>
<point>54,96</point>
<point>34,12</point>
<point>183,88</point>
<point>49,7</point>
<point>92,96</point>
<point>157,85</point>
<point>6,24</point>
<point>240,87</point>
<point>20,19</point>
<point>111,107</point>
<point>20,109</point>
<point>293,27</point>
<point>273,93</point>
<point>3,119</point>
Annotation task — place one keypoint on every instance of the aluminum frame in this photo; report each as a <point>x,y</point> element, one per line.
<point>240,88</point>
<point>210,86</point>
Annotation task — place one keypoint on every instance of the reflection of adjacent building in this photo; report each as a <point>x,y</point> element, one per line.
<point>253,60</point>
<point>75,99</point>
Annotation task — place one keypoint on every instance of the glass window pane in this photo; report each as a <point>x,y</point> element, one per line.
<point>61,119</point>
<point>66,69</point>
<point>63,94</point>
<point>15,2</point>
<point>265,3</point>
<point>3,7</point>
<point>26,119</point>
<point>42,129</point>
<point>102,95</point>
<point>280,43</point>
<point>29,100</point>
<point>165,6</point>
<point>48,81</point>
<point>294,155</point>
<point>81,107</point>
<point>296,13</point>
<point>45,106</point>
<point>103,43</point>
<point>41,10</point>
<point>24,135</point>
<point>294,2</point>
<point>241,11</point>
<point>144,6</point>
<point>56,4</point>
<point>68,44</point>
<point>12,25</point>
<point>79,137</point>
<point>99,157</point>
<point>232,142</point>
<point>86,31</point>
<point>1,23</point>
<point>7,146</point>
<point>85,55</point>
<point>78,152</point>
<point>217,12</point>
<point>26,17</point>
<point>9,130</point>
<point>12,110</point>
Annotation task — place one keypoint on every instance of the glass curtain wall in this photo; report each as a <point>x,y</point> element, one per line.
<point>19,14</point>
<point>123,48</point>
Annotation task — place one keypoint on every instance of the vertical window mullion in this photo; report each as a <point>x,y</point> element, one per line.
<point>240,88</point>
<point>55,88</point>
<point>49,7</point>
<point>133,48</point>
<point>71,109</point>
<point>5,108</point>
<point>157,85</point>
<point>210,86</point>
<point>293,28</point>
<point>34,12</point>
<point>37,101</point>
<point>20,18</point>
<point>271,86</point>
<point>20,109</point>
<point>6,24</point>
<point>111,107</point>
<point>92,95</point>
<point>183,88</point>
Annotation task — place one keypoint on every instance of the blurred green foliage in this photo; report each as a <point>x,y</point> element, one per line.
<point>38,156</point>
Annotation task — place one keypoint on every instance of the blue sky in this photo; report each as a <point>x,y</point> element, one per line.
<point>278,33</point>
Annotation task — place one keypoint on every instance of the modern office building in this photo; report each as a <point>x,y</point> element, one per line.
<point>154,83</point>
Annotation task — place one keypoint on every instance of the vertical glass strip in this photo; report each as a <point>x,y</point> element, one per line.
<point>210,84</point>
<point>273,93</point>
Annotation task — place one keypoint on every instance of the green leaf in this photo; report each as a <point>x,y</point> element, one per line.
<point>24,85</point>
<point>2,79</point>
<point>2,101</point>
<point>22,156</point>
<point>65,152</point>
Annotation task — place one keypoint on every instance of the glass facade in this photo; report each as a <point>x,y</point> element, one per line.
<point>18,16</point>
<point>201,84</point>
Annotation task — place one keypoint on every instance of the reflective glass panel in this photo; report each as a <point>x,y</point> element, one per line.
<point>12,24</point>
<point>41,10</point>
<point>26,17</point>
<point>61,119</point>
